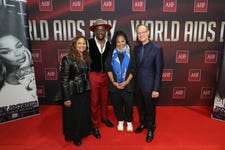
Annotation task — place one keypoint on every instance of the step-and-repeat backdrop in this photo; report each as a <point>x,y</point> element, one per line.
<point>18,93</point>
<point>190,32</point>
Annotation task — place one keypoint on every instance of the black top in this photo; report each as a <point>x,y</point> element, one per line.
<point>98,59</point>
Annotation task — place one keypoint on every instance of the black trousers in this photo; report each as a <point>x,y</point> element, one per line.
<point>146,108</point>
<point>122,102</point>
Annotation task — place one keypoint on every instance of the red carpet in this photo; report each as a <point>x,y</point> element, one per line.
<point>178,128</point>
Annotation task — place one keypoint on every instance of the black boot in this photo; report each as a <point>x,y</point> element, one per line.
<point>140,128</point>
<point>96,133</point>
<point>107,123</point>
<point>77,142</point>
<point>149,136</point>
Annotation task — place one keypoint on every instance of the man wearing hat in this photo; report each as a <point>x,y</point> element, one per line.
<point>99,48</point>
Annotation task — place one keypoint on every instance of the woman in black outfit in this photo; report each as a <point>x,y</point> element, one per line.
<point>120,67</point>
<point>75,91</point>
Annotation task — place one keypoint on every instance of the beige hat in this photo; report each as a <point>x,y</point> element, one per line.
<point>100,22</point>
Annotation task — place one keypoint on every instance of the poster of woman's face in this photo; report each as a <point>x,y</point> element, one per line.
<point>13,52</point>
<point>18,93</point>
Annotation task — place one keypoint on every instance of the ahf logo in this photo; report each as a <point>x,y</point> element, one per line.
<point>51,74</point>
<point>206,93</point>
<point>167,75</point>
<point>76,5</point>
<point>36,55</point>
<point>169,6</point>
<point>108,5</point>
<point>200,5</point>
<point>194,75</point>
<point>45,5</point>
<point>182,56</point>
<point>61,54</point>
<point>138,5</point>
<point>211,56</point>
<point>41,91</point>
<point>179,92</point>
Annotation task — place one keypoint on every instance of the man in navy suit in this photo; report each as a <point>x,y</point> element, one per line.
<point>149,64</point>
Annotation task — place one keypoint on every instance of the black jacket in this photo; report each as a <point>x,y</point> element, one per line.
<point>74,77</point>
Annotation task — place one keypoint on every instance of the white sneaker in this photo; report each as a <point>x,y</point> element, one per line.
<point>129,127</point>
<point>120,126</point>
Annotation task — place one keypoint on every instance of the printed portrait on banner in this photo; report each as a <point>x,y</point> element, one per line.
<point>18,96</point>
<point>219,100</point>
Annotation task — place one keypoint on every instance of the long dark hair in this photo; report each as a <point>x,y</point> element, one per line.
<point>75,55</point>
<point>116,34</point>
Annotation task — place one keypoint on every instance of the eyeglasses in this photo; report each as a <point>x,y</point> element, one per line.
<point>140,33</point>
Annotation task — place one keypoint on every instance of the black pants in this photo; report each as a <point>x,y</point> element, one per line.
<point>122,102</point>
<point>146,108</point>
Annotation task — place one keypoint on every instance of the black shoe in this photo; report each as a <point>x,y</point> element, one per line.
<point>150,136</point>
<point>77,142</point>
<point>107,123</point>
<point>96,133</point>
<point>140,128</point>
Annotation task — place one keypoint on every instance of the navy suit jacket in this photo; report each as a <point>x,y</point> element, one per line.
<point>149,69</point>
